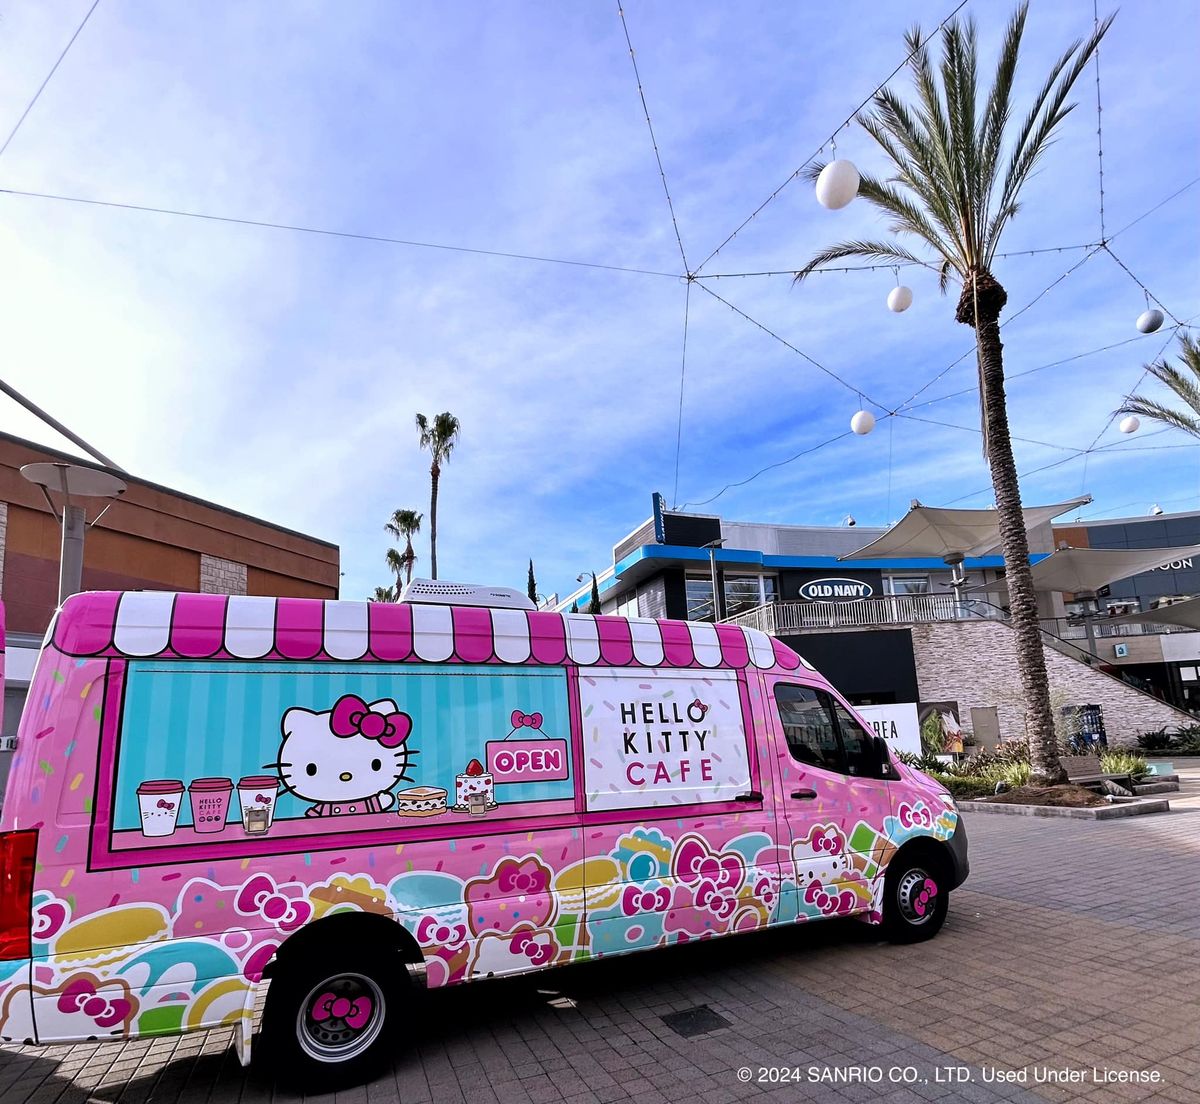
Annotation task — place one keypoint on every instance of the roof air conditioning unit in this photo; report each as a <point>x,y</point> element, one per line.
<point>433,592</point>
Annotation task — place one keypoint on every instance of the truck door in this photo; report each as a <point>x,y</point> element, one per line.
<point>832,799</point>
<point>679,817</point>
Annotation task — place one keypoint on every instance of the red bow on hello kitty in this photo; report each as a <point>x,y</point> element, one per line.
<point>352,716</point>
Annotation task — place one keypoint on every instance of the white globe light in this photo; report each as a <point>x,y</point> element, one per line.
<point>837,185</point>
<point>1130,424</point>
<point>1149,320</point>
<point>899,299</point>
<point>863,422</point>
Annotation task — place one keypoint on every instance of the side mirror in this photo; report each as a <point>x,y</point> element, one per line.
<point>884,757</point>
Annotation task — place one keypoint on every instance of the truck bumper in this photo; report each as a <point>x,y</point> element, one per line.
<point>957,847</point>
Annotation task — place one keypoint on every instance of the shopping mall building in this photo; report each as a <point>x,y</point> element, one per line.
<point>895,630</point>
<point>151,538</point>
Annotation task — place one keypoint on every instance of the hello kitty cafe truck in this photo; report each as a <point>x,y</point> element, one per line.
<point>340,799</point>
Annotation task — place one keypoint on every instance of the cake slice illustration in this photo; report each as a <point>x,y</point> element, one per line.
<point>421,801</point>
<point>474,789</point>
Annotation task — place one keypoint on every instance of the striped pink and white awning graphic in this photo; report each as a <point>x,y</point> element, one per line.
<point>149,624</point>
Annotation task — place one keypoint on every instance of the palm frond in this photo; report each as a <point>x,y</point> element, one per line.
<point>874,250</point>
<point>1176,380</point>
<point>1048,111</point>
<point>910,176</point>
<point>1158,412</point>
<point>927,155</point>
<point>1170,376</point>
<point>998,110</point>
<point>944,270</point>
<point>906,216</point>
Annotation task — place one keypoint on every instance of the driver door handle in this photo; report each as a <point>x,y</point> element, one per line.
<point>804,795</point>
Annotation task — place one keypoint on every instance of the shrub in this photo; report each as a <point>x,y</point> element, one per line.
<point>1157,740</point>
<point>1124,762</point>
<point>1010,765</point>
<point>966,787</point>
<point>1187,740</point>
<point>926,763</point>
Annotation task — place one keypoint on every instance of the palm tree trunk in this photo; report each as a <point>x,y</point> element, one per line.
<point>1031,659</point>
<point>434,472</point>
<point>409,556</point>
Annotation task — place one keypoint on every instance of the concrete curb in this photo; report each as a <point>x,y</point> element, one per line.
<point>1144,788</point>
<point>1126,808</point>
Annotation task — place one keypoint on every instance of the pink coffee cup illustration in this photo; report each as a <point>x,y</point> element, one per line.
<point>256,796</point>
<point>158,802</point>
<point>210,803</point>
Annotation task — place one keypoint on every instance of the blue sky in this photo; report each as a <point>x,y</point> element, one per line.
<point>279,372</point>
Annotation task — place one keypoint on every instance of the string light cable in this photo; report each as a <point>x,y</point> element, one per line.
<point>653,140</point>
<point>832,137</point>
<point>53,69</point>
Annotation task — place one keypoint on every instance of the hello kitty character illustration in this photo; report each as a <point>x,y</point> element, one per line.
<point>345,760</point>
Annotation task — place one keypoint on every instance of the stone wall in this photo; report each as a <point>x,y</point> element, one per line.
<point>218,576</point>
<point>975,664</point>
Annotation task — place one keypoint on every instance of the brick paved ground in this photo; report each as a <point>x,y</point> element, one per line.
<point>1074,944</point>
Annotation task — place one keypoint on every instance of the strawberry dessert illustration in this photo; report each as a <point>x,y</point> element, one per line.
<point>474,789</point>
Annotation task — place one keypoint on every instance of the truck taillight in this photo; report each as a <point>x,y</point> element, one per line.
<point>17,850</point>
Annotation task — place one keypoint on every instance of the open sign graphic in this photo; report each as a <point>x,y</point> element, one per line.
<point>540,760</point>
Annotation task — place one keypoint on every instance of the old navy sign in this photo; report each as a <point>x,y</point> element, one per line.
<point>826,590</point>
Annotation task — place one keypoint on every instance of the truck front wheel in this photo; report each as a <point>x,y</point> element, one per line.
<point>916,897</point>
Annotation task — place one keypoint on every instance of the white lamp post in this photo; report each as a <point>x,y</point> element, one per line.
<point>73,482</point>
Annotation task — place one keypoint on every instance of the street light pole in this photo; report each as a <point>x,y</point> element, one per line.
<point>72,482</point>
<point>712,547</point>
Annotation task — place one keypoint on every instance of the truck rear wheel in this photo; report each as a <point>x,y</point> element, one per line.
<point>916,898</point>
<point>330,1021</point>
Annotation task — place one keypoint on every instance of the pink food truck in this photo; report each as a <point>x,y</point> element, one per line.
<point>221,805</point>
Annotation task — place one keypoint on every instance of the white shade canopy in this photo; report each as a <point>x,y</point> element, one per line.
<point>933,531</point>
<point>1080,570</point>
<point>1181,613</point>
<point>1083,569</point>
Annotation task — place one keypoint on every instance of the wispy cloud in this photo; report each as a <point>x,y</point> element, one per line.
<point>279,373</point>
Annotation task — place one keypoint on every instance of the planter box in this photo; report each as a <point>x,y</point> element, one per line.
<point>1120,807</point>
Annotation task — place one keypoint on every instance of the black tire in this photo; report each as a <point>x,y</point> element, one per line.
<point>916,897</point>
<point>331,1018</point>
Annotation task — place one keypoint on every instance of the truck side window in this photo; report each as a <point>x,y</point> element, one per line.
<point>862,759</point>
<point>809,726</point>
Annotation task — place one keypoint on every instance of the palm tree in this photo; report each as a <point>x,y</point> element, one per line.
<point>395,561</point>
<point>383,594</point>
<point>957,170</point>
<point>440,439</point>
<point>531,585</point>
<point>404,525</point>
<point>1188,390</point>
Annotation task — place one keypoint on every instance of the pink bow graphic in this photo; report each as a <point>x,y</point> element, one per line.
<point>262,799</point>
<point>352,716</point>
<point>164,804</point>
<point>526,720</point>
<point>354,1013</point>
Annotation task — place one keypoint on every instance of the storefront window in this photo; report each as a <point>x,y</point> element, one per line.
<point>747,592</point>
<point>906,584</point>
<point>699,599</point>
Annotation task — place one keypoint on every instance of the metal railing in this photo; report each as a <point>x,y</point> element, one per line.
<point>782,618</point>
<point>1071,628</point>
